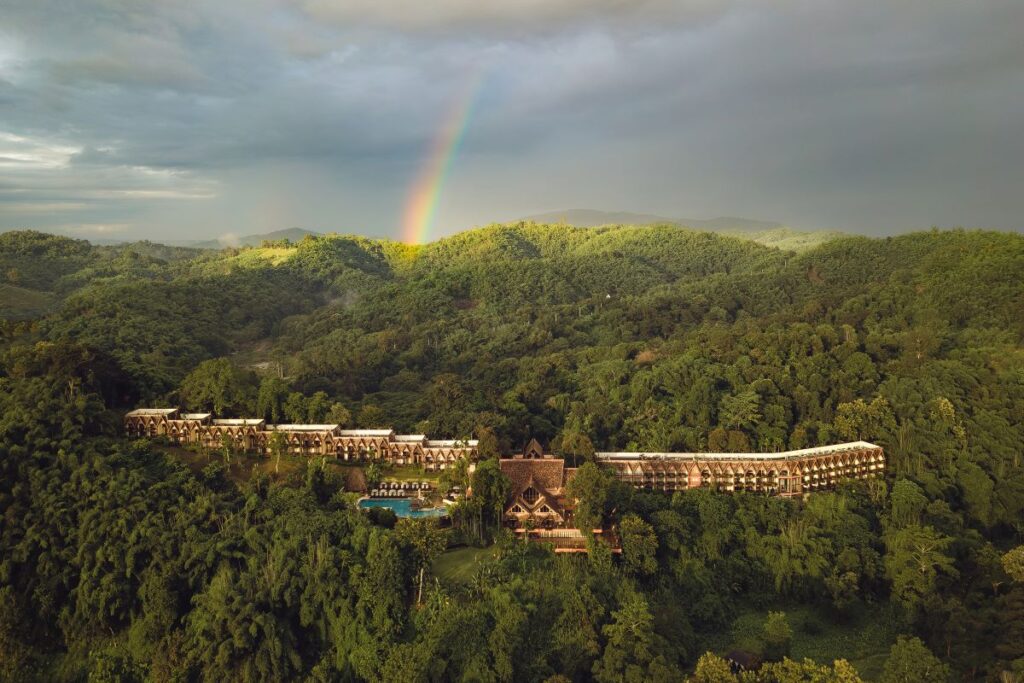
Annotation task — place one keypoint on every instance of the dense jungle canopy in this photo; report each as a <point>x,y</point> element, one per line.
<point>118,561</point>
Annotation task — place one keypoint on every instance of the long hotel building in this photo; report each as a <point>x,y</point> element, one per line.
<point>788,473</point>
<point>252,435</point>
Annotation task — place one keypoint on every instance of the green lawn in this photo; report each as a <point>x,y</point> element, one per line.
<point>408,473</point>
<point>864,640</point>
<point>459,565</point>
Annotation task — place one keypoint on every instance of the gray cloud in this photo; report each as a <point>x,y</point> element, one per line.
<point>189,119</point>
<point>494,17</point>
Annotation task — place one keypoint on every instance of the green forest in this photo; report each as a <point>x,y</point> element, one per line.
<point>124,560</point>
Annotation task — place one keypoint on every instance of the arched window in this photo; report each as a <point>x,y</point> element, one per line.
<point>530,495</point>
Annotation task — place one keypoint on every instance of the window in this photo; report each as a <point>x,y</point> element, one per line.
<point>517,509</point>
<point>545,508</point>
<point>530,495</point>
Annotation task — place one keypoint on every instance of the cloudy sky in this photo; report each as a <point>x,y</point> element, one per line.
<point>185,119</point>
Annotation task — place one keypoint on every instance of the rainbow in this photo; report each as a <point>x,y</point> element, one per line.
<point>421,205</point>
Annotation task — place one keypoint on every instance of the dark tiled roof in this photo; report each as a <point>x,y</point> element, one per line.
<point>547,473</point>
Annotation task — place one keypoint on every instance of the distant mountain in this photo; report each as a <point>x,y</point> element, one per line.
<point>768,233</point>
<point>291,234</point>
<point>590,218</point>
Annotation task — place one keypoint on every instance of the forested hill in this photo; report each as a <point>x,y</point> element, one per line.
<point>619,337</point>
<point>374,322</point>
<point>768,233</point>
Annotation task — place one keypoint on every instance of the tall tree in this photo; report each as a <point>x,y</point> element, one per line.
<point>639,545</point>
<point>632,651</point>
<point>426,539</point>
<point>270,399</point>
<point>278,445</point>
<point>596,492</point>
<point>220,386</point>
<point>858,420</point>
<point>911,662</point>
<point>915,561</point>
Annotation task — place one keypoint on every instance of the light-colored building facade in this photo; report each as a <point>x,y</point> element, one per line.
<point>789,473</point>
<point>254,435</point>
<point>539,506</point>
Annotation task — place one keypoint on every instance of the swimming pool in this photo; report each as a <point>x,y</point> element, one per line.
<point>402,507</point>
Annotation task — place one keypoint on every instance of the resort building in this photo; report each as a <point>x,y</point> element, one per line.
<point>253,435</point>
<point>789,473</point>
<point>538,506</point>
<point>538,479</point>
<point>537,491</point>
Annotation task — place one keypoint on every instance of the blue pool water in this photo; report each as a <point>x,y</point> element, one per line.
<point>402,507</point>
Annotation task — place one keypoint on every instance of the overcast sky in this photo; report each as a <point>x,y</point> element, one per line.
<point>184,119</point>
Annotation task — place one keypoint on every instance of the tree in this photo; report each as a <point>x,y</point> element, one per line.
<point>944,415</point>
<point>916,558</point>
<point>978,491</point>
<point>843,582</point>
<point>796,552</point>
<point>911,662</point>
<point>227,447</point>
<point>456,475</point>
<point>639,545</point>
<point>907,502</point>
<point>426,539</point>
<point>487,447</point>
<point>278,445</point>
<point>373,475</point>
<point>718,440</point>
<point>595,490</point>
<point>631,653</point>
<point>859,420</point>
<point>490,491</point>
<point>112,665</point>
<point>372,417</point>
<point>777,636</point>
<point>1013,563</point>
<point>317,407</point>
<point>339,415</point>
<point>219,386</point>
<point>740,410</point>
<point>295,408</point>
<point>737,442</point>
<point>1009,645</point>
<point>270,399</point>
<point>382,587</point>
<point>575,635</point>
<point>806,671</point>
<point>576,446</point>
<point>712,669</point>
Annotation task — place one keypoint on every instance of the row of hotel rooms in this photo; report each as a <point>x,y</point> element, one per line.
<point>252,435</point>
<point>788,473</point>
<point>540,508</point>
